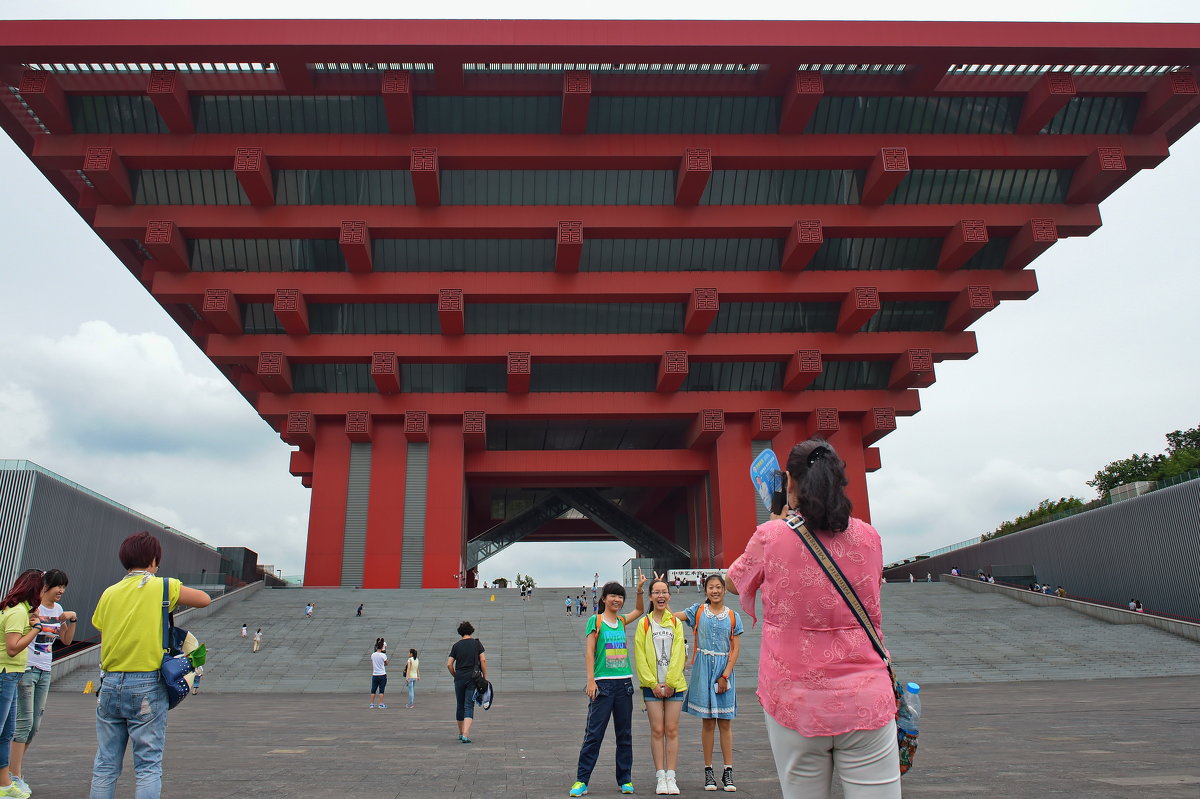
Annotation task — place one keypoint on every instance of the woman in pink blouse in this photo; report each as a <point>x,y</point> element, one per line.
<point>829,703</point>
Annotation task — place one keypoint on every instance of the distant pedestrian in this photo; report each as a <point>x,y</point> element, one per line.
<point>359,611</point>
<point>257,645</point>
<point>245,631</point>
<point>412,673</point>
<point>929,577</point>
<point>1137,606</point>
<point>379,661</point>
<point>700,584</point>
<point>1060,591</point>
<point>1133,604</point>
<point>308,609</point>
<point>581,604</point>
<point>466,657</point>
<point>568,605</point>
<point>196,680</point>
<point>522,593</point>
<point>911,578</point>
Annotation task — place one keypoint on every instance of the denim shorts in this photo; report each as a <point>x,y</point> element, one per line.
<point>648,695</point>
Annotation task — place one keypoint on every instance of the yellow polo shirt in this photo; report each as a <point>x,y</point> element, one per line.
<point>14,620</point>
<point>129,618</point>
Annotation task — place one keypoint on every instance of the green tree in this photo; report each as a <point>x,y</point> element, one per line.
<point>1180,440</point>
<point>1128,470</point>
<point>1178,462</point>
<point>1046,510</point>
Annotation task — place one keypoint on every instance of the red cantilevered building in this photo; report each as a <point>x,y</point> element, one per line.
<point>551,280</point>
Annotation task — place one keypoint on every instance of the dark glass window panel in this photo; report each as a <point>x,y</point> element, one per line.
<point>991,256</point>
<point>332,378</point>
<point>382,318</point>
<point>679,255</point>
<point>558,187</point>
<point>982,186</point>
<point>266,255</point>
<point>568,318</point>
<point>849,115</point>
<point>782,187</point>
<point>186,187</point>
<point>594,377</point>
<point>452,378</point>
<point>436,114</point>
<point>776,317</point>
<point>463,255</point>
<point>1096,115</point>
<point>876,253</point>
<point>683,115</point>
<point>896,317</point>
<point>259,318</point>
<point>576,434</point>
<point>91,113</point>
<point>734,376</point>
<point>343,187</point>
<point>289,114</point>
<point>853,376</point>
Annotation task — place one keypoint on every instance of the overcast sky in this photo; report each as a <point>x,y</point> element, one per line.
<point>99,385</point>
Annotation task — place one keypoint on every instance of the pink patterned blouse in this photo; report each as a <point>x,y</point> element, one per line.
<point>817,673</point>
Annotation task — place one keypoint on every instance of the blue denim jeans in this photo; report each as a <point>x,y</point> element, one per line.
<point>133,706</point>
<point>31,703</point>
<point>615,699</point>
<point>8,712</point>
<point>412,691</point>
<point>464,698</point>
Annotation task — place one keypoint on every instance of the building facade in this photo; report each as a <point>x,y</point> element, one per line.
<point>550,280</point>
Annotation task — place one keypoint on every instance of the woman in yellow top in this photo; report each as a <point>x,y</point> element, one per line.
<point>658,653</point>
<point>21,626</point>
<point>132,698</point>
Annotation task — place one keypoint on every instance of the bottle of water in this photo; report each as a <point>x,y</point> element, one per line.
<point>908,718</point>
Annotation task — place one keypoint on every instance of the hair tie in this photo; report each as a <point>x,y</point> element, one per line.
<point>817,454</point>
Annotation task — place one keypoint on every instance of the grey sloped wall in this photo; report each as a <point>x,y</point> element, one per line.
<point>1146,548</point>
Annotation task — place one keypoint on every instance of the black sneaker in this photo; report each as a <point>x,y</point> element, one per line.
<point>727,779</point>
<point>710,779</point>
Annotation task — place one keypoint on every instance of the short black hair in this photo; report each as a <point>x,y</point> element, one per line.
<point>466,628</point>
<point>55,577</point>
<point>614,588</point>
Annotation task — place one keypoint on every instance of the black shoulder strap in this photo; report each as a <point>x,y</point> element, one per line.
<point>831,569</point>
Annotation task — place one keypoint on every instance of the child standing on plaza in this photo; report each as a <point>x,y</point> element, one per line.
<point>412,673</point>
<point>609,687</point>
<point>658,653</point>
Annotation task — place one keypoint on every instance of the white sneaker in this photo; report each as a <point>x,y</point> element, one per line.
<point>13,790</point>
<point>672,787</point>
<point>20,783</point>
<point>660,783</point>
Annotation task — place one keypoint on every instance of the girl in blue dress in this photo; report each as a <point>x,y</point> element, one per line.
<point>711,695</point>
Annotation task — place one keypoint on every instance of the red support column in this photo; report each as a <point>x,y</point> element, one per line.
<point>221,310</point>
<point>702,309</point>
<point>166,245</point>
<point>327,507</point>
<point>518,371</point>
<point>450,312</point>
<point>474,430</point>
<point>252,171</point>
<point>694,171</point>
<point>569,246</point>
<point>445,502</point>
<point>576,101</point>
<point>849,444</point>
<point>802,98</point>
<point>964,240</point>
<point>1098,176</point>
<point>355,241</point>
<point>292,311</point>
<point>913,369</point>
<point>385,536</point>
<point>734,498</point>
<point>104,168</point>
<point>1048,96</point>
<point>889,168</point>
<point>672,371</point>
<point>275,372</point>
<point>398,101</point>
<point>170,97</point>
<point>44,96</point>
<point>857,309</point>
<point>970,304</point>
<point>426,176</point>
<point>360,427</point>
<point>1171,95</point>
<point>802,369</point>
<point>1033,239</point>
<point>385,371</point>
<point>803,241</point>
<point>766,424</point>
<point>707,428</point>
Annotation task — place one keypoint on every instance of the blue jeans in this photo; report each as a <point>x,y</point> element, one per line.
<point>464,698</point>
<point>412,691</point>
<point>8,712</point>
<point>133,705</point>
<point>31,703</point>
<point>615,699</point>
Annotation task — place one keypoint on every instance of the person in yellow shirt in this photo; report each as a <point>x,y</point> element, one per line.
<point>132,698</point>
<point>21,625</point>
<point>659,656</point>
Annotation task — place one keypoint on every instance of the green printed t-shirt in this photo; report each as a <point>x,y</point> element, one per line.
<point>14,620</point>
<point>129,618</point>
<point>612,652</point>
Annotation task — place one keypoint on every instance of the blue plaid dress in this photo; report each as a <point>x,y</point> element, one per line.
<point>711,659</point>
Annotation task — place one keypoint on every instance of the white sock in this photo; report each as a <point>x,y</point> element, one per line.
<point>728,766</point>
<point>670,774</point>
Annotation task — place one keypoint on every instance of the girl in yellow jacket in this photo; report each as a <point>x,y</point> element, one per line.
<point>659,656</point>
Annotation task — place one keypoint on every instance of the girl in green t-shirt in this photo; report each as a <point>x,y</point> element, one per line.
<point>21,625</point>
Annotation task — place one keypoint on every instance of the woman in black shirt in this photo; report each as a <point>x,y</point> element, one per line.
<point>466,656</point>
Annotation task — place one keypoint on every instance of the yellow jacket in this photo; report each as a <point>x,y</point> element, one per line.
<point>646,659</point>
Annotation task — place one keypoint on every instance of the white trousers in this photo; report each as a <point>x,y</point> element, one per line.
<point>866,761</point>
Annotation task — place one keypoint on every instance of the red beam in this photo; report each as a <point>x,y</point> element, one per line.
<point>1173,93</point>
<point>426,176</point>
<point>766,424</point>
<point>877,424</point>
<point>1100,175</point>
<point>292,311</point>
<point>170,97</point>
<point>913,369</point>
<point>801,101</point>
<point>252,171</point>
<point>385,372</point>
<point>220,309</point>
<point>474,430</point>
<point>695,169</point>
<point>359,426</point>
<point>872,460</point>
<point>702,308</point>
<point>299,429</point>
<point>354,237</point>
<point>398,101</point>
<point>823,422</point>
<point>518,370</point>
<point>576,101</point>
<point>450,312</point>
<point>274,371</point>
<point>44,96</point>
<point>416,425</point>
<point>962,242</point>
<point>857,308</point>
<point>102,166</point>
<point>803,240</point>
<point>568,247</point>
<point>1034,238</point>
<point>1047,97</point>
<point>803,367</point>
<point>889,168</point>
<point>553,468</point>
<point>706,428</point>
<point>672,371</point>
<point>166,245</point>
<point>969,306</point>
